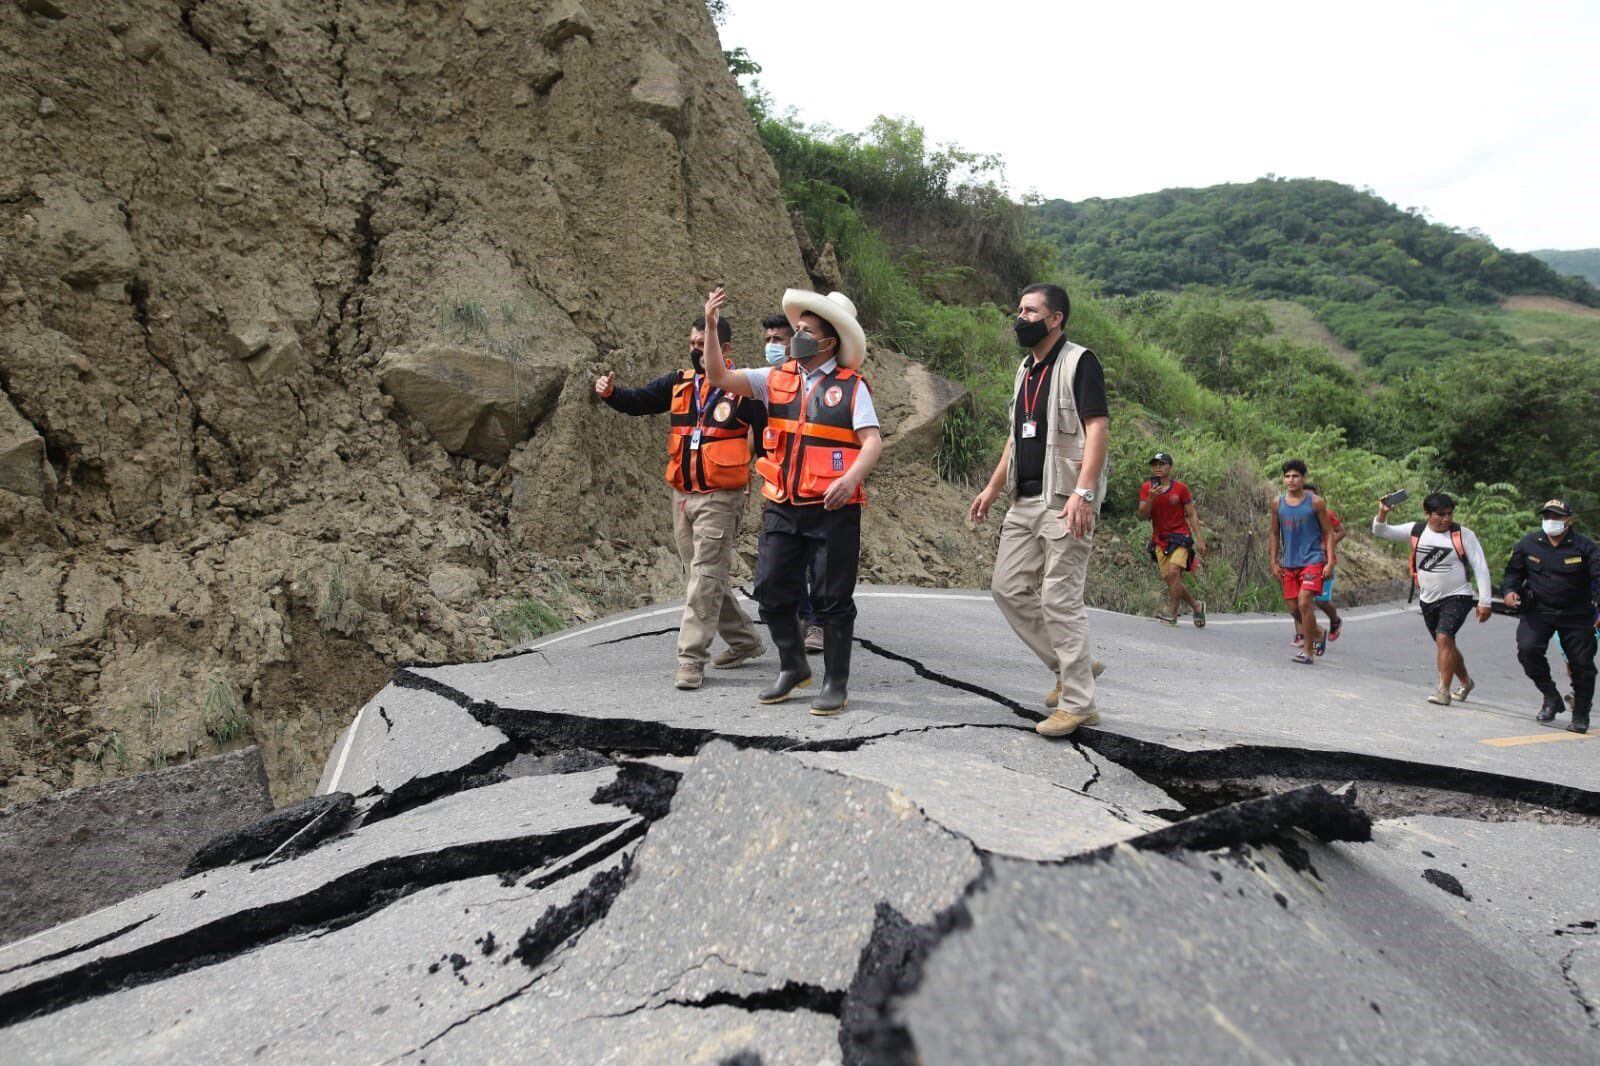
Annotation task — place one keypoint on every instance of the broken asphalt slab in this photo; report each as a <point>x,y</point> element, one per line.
<point>71,853</point>
<point>406,735</point>
<point>1230,956</point>
<point>520,823</point>
<point>371,991</point>
<point>758,890</point>
<point>1000,809</point>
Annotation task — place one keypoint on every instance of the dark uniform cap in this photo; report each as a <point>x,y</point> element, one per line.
<point>1556,507</point>
<point>1161,457</point>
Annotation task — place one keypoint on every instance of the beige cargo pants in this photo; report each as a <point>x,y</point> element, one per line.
<point>1039,575</point>
<point>705,525</point>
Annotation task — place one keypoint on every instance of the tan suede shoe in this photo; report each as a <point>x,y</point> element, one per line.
<point>1061,723</point>
<point>733,656</point>
<point>1096,667</point>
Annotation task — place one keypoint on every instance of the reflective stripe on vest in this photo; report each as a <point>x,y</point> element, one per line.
<point>722,460</point>
<point>810,442</point>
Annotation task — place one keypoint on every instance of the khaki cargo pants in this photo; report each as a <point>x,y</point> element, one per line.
<point>1039,575</point>
<point>705,525</point>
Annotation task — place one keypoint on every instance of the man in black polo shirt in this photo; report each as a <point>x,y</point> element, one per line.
<point>1055,468</point>
<point>1554,578</point>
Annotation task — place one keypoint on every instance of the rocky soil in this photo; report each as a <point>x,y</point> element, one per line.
<point>299,307</point>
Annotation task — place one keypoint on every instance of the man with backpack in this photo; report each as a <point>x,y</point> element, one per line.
<point>1440,551</point>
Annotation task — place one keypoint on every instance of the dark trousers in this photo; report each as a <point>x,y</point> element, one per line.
<point>1577,641</point>
<point>807,615</point>
<point>792,537</point>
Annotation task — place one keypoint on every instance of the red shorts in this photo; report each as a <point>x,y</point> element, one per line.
<point>1296,578</point>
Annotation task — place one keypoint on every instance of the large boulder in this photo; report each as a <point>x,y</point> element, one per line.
<point>23,468</point>
<point>474,404</point>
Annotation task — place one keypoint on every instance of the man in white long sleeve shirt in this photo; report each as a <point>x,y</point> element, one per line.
<point>1439,554</point>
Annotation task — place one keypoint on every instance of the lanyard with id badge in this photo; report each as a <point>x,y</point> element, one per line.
<point>700,410</point>
<point>1030,404</point>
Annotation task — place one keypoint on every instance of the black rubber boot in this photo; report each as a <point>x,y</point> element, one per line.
<point>1552,707</point>
<point>1580,720</point>
<point>836,666</point>
<point>793,673</point>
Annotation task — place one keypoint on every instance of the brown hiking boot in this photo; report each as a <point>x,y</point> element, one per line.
<point>690,675</point>
<point>1061,722</point>
<point>815,638</point>
<point>734,656</point>
<point>1096,667</point>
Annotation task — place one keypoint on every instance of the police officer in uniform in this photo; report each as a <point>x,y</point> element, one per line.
<point>708,467</point>
<point>821,442</point>
<point>1554,578</point>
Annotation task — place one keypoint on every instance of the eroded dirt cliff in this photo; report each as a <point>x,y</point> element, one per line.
<point>300,303</point>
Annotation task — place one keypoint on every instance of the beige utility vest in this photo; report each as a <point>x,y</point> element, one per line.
<point>1063,446</point>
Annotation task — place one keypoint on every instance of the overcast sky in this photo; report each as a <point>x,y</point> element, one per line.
<point>1485,115</point>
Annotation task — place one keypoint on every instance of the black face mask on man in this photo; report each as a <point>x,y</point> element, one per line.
<point>1030,333</point>
<point>804,347</point>
<point>697,358</point>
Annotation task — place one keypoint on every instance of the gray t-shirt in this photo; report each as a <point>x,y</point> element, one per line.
<point>862,413</point>
<point>1440,571</point>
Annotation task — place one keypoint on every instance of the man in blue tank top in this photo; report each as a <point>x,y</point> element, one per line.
<point>1301,547</point>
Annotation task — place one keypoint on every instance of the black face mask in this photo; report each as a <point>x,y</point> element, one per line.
<point>1030,333</point>
<point>803,347</point>
<point>698,359</point>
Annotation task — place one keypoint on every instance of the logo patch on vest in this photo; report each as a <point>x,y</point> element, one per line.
<point>838,459</point>
<point>723,411</point>
<point>832,397</point>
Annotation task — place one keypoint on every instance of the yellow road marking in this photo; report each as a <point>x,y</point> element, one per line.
<point>1537,738</point>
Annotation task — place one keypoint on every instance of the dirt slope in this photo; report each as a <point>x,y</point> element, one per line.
<point>299,307</point>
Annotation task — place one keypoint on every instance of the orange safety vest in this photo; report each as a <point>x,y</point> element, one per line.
<point>708,447</point>
<point>809,439</point>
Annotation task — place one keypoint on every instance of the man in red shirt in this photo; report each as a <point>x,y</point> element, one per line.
<point>1175,539</point>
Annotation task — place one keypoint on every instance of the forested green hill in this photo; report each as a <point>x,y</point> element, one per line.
<point>1295,238</point>
<point>1582,262</point>
<point>1402,291</point>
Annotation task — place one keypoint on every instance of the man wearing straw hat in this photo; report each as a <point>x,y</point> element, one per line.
<point>821,442</point>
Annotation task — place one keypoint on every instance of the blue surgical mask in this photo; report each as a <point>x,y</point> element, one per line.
<point>1553,527</point>
<point>777,353</point>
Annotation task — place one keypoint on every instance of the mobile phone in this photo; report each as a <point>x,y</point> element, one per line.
<point>1395,498</point>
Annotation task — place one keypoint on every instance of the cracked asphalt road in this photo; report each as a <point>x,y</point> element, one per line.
<point>920,879</point>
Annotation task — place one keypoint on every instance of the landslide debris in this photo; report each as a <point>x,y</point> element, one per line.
<point>299,308</point>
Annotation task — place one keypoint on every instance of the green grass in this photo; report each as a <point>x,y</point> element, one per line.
<point>524,618</point>
<point>1552,331</point>
<point>225,718</point>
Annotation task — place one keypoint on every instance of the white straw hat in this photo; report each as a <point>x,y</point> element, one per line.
<point>837,310</point>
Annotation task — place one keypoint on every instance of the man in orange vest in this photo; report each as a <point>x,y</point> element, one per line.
<point>708,467</point>
<point>821,442</point>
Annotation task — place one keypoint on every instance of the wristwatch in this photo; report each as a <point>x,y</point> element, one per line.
<point>1087,494</point>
